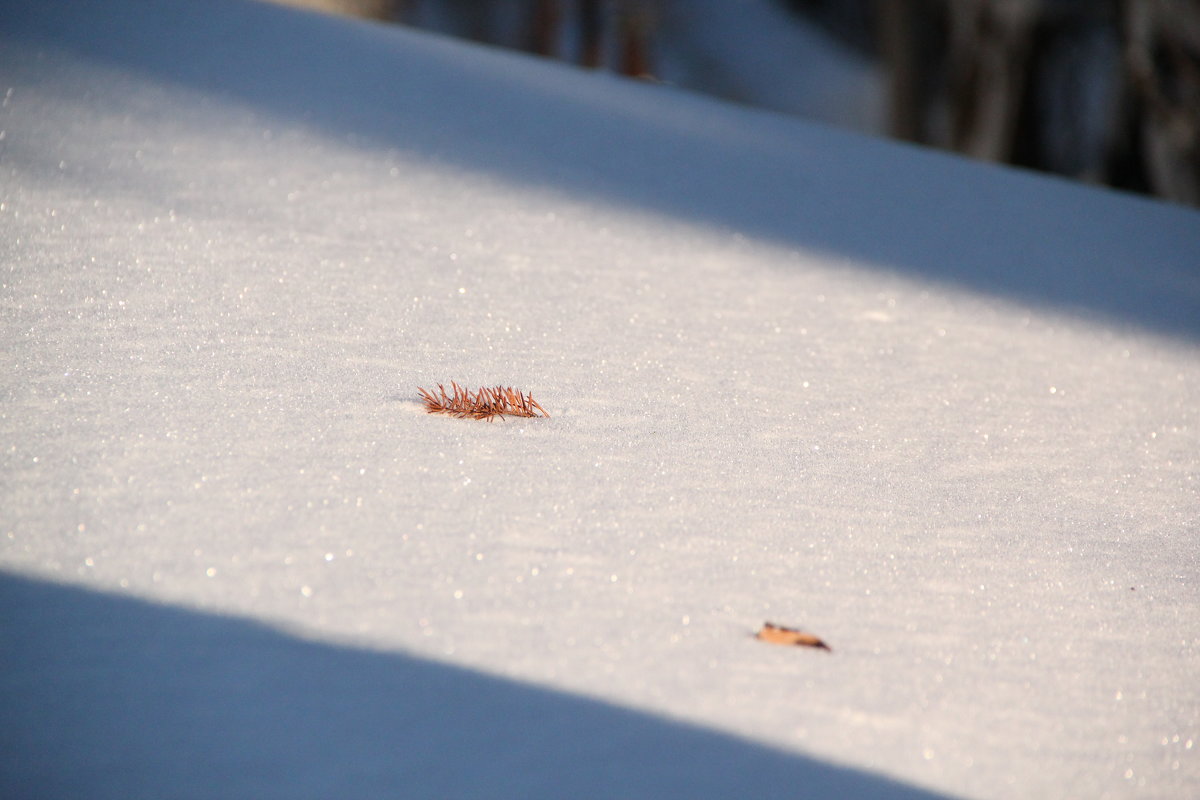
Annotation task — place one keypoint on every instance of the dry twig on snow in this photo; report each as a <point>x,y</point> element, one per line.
<point>484,403</point>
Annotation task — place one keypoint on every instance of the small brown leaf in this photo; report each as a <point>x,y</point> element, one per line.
<point>777,634</point>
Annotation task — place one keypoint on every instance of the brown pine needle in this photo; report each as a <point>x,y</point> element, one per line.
<point>484,403</point>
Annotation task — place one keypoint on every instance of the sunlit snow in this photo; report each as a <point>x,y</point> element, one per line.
<point>942,415</point>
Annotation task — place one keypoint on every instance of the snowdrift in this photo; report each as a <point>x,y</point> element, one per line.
<point>941,415</point>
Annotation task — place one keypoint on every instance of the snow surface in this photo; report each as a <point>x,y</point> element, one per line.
<point>942,414</point>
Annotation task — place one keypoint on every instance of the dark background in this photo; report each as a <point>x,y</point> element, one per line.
<point>1105,91</point>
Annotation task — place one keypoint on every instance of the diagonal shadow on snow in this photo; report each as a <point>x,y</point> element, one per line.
<point>209,706</point>
<point>1037,240</point>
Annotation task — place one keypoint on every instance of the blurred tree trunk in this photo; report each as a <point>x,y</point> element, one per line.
<point>591,33</point>
<point>905,31</point>
<point>990,49</point>
<point>546,17</point>
<point>635,23</point>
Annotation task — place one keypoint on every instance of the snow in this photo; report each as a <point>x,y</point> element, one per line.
<point>941,414</point>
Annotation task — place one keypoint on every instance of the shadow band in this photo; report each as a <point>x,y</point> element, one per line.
<point>108,697</point>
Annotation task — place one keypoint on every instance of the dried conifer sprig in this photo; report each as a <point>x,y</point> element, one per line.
<point>484,403</point>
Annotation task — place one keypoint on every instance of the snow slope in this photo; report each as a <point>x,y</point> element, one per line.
<point>942,414</point>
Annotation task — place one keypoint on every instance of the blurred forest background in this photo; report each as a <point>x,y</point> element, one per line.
<point>1105,91</point>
